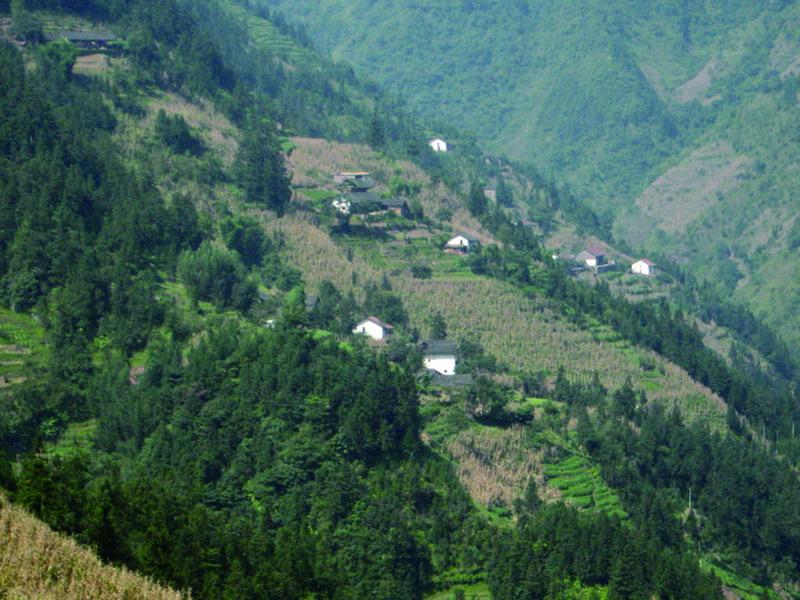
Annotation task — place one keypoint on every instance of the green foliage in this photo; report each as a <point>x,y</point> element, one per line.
<point>174,132</point>
<point>332,474</point>
<point>558,545</point>
<point>247,238</point>
<point>260,169</point>
<point>24,25</point>
<point>216,275</point>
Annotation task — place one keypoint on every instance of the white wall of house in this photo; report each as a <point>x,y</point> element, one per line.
<point>446,365</point>
<point>458,242</point>
<point>438,145</point>
<point>371,329</point>
<point>641,268</point>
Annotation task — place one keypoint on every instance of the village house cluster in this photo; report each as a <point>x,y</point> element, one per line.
<point>596,259</point>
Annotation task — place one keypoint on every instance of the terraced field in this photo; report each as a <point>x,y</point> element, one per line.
<point>22,348</point>
<point>581,485</point>
<point>268,37</point>
<point>478,591</point>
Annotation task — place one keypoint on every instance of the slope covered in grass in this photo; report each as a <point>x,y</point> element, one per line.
<point>36,562</point>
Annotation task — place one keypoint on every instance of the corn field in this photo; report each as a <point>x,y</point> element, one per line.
<point>37,563</point>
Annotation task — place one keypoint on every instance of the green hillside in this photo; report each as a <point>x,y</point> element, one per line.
<point>678,121</point>
<point>185,291</point>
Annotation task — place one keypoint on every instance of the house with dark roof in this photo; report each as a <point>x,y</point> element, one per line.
<point>643,267</point>
<point>89,40</point>
<point>396,205</point>
<point>592,257</point>
<point>368,203</point>
<point>374,329</point>
<point>363,202</point>
<point>439,356</point>
<point>462,243</point>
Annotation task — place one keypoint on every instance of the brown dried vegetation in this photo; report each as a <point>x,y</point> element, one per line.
<point>37,563</point>
<point>495,465</point>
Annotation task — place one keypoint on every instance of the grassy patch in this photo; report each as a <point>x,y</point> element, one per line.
<point>746,589</point>
<point>319,194</point>
<point>581,485</point>
<point>77,437</point>
<point>474,591</point>
<point>22,348</point>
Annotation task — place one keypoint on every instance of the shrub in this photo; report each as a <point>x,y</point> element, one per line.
<point>216,275</point>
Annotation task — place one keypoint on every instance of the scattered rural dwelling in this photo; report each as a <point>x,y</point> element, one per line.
<point>643,267</point>
<point>592,257</point>
<point>89,40</point>
<point>438,145</point>
<point>374,328</point>
<point>462,243</point>
<point>369,203</point>
<point>356,181</point>
<point>363,202</point>
<point>439,356</point>
<point>395,205</point>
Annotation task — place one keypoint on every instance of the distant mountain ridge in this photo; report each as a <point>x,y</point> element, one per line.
<point>676,119</point>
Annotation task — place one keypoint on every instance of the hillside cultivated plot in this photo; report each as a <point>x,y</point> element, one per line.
<point>313,163</point>
<point>495,464</point>
<point>682,194</point>
<point>21,348</point>
<point>527,334</point>
<point>37,563</point>
<point>581,485</point>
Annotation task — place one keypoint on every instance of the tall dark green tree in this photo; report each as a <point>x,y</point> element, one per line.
<point>260,168</point>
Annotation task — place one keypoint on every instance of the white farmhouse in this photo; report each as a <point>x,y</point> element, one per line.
<point>439,356</point>
<point>438,145</point>
<point>374,328</point>
<point>643,267</point>
<point>592,257</point>
<point>462,243</point>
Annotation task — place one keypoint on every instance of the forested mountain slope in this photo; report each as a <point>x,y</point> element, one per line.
<point>196,407</point>
<point>676,120</point>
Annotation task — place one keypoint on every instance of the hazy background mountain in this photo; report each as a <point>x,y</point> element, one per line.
<point>678,120</point>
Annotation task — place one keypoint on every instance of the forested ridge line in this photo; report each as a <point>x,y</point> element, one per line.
<point>244,460</point>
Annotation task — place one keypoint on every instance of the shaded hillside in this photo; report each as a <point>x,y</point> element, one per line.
<point>35,562</point>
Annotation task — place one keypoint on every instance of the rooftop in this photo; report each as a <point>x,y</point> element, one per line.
<point>393,202</point>
<point>470,238</point>
<point>85,36</point>
<point>379,323</point>
<point>438,347</point>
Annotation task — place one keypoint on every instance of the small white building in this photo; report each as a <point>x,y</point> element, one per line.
<point>374,328</point>
<point>438,145</point>
<point>643,267</point>
<point>439,356</point>
<point>462,243</point>
<point>592,257</point>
